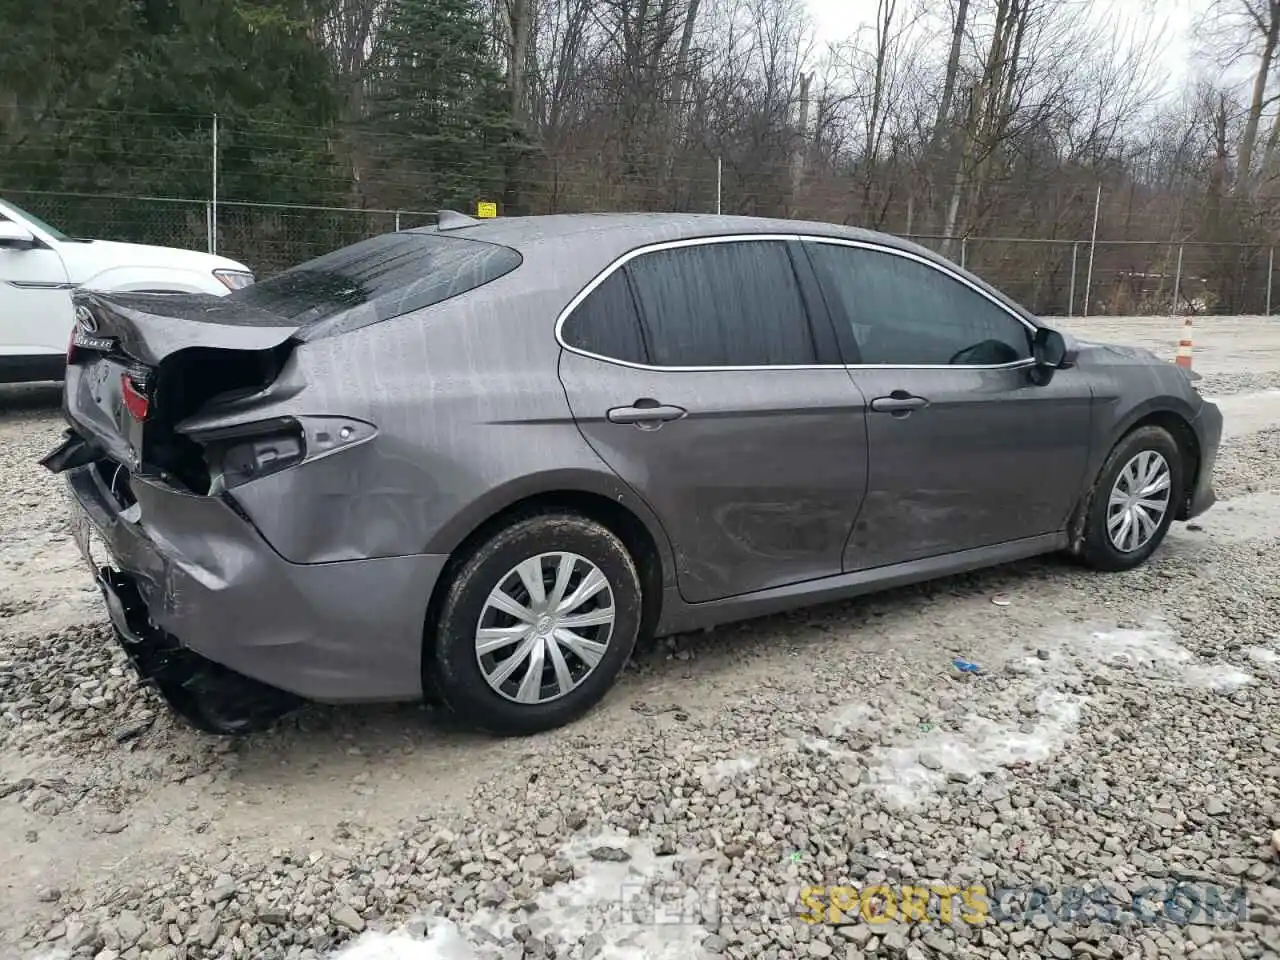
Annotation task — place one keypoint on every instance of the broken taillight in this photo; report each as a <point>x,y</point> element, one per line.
<point>250,451</point>
<point>135,401</point>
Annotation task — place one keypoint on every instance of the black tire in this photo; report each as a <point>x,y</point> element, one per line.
<point>1096,548</point>
<point>456,675</point>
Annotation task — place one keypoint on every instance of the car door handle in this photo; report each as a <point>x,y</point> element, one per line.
<point>899,404</point>
<point>646,412</point>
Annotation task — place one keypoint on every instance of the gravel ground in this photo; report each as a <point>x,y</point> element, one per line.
<point>1120,738</point>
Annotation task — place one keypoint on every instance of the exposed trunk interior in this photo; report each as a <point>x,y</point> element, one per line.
<point>187,382</point>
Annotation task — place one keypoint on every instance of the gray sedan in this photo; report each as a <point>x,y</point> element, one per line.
<point>476,461</point>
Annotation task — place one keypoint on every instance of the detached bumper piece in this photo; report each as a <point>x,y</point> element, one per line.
<point>207,695</point>
<point>74,451</point>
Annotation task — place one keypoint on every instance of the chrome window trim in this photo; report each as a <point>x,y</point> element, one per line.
<point>630,255</point>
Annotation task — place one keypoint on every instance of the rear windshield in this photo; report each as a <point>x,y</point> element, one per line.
<point>377,279</point>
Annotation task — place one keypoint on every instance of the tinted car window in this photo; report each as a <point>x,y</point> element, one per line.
<point>722,304</point>
<point>606,322</point>
<point>377,279</point>
<point>906,312</point>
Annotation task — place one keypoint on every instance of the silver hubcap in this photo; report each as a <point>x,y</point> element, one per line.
<point>1139,501</point>
<point>544,627</point>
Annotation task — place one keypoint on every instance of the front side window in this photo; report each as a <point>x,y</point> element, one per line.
<point>725,304</point>
<point>904,312</point>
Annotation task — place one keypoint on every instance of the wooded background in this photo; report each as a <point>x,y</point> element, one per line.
<point>986,128</point>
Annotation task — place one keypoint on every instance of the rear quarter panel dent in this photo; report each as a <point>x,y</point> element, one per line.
<point>471,418</point>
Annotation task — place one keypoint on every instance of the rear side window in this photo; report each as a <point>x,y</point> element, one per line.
<point>606,322</point>
<point>734,303</point>
<point>377,279</point>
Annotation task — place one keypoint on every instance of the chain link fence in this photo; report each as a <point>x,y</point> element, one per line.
<point>267,237</point>
<point>1119,277</point>
<point>1051,277</point>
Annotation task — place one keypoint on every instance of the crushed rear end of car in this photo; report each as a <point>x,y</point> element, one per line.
<point>173,411</point>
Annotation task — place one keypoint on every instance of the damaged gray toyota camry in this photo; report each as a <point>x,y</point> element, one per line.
<point>475,462</point>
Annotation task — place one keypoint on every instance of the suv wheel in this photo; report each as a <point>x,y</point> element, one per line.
<point>536,625</point>
<point>1134,501</point>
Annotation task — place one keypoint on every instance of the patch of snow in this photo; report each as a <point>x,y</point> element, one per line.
<point>728,769</point>
<point>982,746</point>
<point>1154,651</point>
<point>1136,647</point>
<point>1220,678</point>
<point>848,717</point>
<point>1263,655</point>
<point>444,941</point>
<point>605,901</point>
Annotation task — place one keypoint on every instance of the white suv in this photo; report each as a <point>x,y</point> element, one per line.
<point>40,266</point>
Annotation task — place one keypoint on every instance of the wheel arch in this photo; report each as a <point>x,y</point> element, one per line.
<point>603,500</point>
<point>1184,435</point>
<point>1172,416</point>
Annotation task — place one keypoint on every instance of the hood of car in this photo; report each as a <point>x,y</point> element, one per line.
<point>84,260</point>
<point>1117,353</point>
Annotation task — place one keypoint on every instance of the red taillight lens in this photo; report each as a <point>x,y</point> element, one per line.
<point>134,401</point>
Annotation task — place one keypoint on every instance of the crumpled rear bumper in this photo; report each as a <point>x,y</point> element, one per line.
<point>188,573</point>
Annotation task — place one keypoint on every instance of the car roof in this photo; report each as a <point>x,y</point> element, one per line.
<point>611,234</point>
<point>578,245</point>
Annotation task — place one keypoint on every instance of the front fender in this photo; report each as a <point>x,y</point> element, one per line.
<point>156,279</point>
<point>1125,421</point>
<point>1114,419</point>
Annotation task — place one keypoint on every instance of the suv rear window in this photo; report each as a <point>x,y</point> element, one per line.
<point>377,279</point>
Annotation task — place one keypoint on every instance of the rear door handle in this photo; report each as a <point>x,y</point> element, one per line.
<point>899,404</point>
<point>646,412</point>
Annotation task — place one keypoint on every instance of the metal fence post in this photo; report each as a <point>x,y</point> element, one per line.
<point>1177,280</point>
<point>1093,244</point>
<point>719,182</point>
<point>1271,264</point>
<point>397,221</point>
<point>213,232</point>
<point>1071,296</point>
<point>964,249</point>
<point>208,226</point>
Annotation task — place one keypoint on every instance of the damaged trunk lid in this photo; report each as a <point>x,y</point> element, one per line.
<point>137,364</point>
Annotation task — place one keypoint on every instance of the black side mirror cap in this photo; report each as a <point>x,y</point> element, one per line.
<point>1053,350</point>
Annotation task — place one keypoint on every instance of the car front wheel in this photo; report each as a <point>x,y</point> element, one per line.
<point>536,625</point>
<point>1134,501</point>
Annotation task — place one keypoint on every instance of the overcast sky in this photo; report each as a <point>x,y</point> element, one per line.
<point>838,19</point>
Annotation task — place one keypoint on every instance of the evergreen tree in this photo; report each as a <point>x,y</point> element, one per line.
<point>440,107</point>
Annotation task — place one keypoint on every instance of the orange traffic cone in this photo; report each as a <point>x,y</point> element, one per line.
<point>1183,358</point>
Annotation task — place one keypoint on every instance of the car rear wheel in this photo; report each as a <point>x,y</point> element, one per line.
<point>1134,500</point>
<point>536,625</point>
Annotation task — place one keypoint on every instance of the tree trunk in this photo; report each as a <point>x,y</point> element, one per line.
<point>938,157</point>
<point>1249,139</point>
<point>520,30</point>
<point>953,69</point>
<point>677,110</point>
<point>801,142</point>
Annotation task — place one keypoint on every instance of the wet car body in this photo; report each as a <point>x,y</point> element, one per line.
<point>289,483</point>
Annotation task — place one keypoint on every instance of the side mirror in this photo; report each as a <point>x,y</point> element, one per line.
<point>1052,350</point>
<point>14,236</point>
